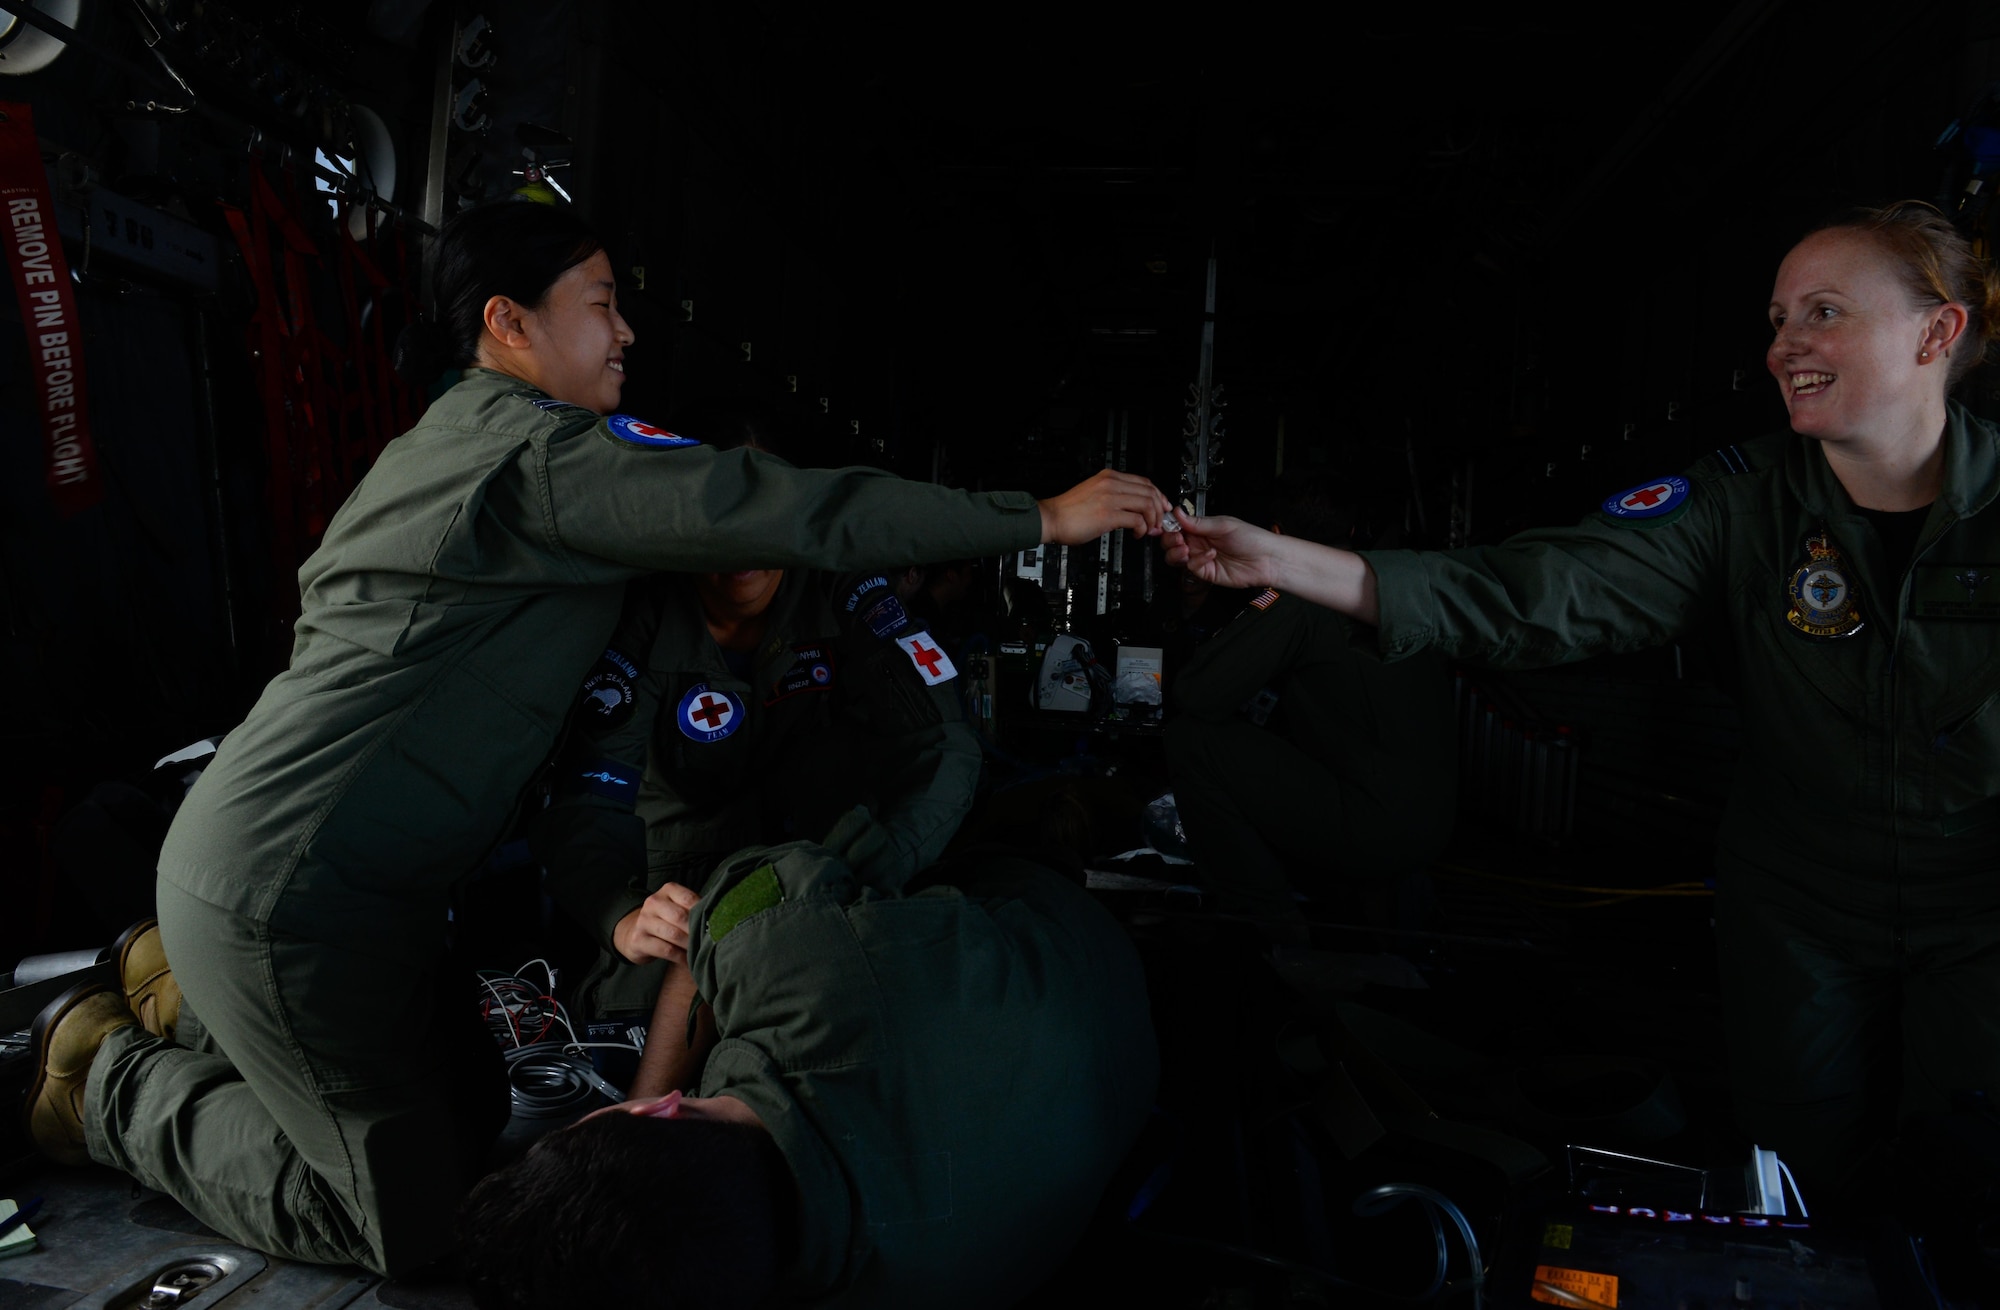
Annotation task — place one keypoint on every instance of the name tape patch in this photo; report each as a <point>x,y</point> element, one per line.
<point>812,670</point>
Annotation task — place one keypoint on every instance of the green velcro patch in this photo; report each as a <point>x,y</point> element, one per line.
<point>754,895</point>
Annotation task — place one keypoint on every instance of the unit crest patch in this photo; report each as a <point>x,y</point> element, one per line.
<point>1822,599</point>
<point>705,715</point>
<point>638,432</point>
<point>1649,504</point>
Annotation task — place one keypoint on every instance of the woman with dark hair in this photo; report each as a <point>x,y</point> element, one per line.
<point>313,1102</point>
<point>1855,568</point>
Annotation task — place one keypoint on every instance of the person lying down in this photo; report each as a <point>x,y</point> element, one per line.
<point>913,1099</point>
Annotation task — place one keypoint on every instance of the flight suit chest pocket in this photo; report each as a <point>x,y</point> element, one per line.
<point>1964,758</point>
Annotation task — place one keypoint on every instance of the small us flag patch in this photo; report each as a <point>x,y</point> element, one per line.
<point>1262,601</point>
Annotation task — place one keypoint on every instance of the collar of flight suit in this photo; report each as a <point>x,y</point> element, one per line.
<point>1971,473</point>
<point>687,646</point>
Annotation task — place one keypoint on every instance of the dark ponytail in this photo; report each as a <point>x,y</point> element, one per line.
<point>512,248</point>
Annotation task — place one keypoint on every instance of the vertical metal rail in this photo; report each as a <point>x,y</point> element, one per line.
<point>1203,429</point>
<point>1104,542</point>
<point>1118,538</point>
<point>211,458</point>
<point>440,139</point>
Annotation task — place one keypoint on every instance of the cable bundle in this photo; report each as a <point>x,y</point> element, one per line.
<point>547,1076</point>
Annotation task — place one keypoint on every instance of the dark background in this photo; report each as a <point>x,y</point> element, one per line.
<point>1493,264</point>
<point>1511,260</point>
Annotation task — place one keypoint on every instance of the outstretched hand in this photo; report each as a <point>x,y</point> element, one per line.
<point>1102,503</point>
<point>1232,553</point>
<point>658,929</point>
<point>1225,551</point>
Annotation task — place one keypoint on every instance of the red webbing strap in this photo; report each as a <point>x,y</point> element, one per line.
<point>309,353</point>
<point>49,319</point>
<point>390,407</point>
<point>406,401</point>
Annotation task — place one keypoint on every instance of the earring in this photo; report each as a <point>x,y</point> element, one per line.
<point>1923,354</point>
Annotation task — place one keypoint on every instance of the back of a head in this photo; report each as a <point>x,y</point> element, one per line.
<point>1937,264</point>
<point>623,1210</point>
<point>511,248</point>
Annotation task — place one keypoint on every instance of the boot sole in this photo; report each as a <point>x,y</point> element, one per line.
<point>38,1036</point>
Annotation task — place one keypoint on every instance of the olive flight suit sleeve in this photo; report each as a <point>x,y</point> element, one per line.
<point>610,496</point>
<point>589,840</point>
<point>1553,595</point>
<point>901,694</point>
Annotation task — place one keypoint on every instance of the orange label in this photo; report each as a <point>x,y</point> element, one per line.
<point>1574,1287</point>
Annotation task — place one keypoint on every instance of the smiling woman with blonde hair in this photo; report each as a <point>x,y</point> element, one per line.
<point>1854,566</point>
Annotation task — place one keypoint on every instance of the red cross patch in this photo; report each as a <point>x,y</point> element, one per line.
<point>931,661</point>
<point>707,715</point>
<point>1649,501</point>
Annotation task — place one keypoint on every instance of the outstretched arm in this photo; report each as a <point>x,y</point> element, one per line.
<point>1232,553</point>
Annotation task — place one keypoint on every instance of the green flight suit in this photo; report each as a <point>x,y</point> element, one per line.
<point>951,1074</point>
<point>1301,763</point>
<point>456,601</point>
<point>830,715</point>
<point>1859,856</point>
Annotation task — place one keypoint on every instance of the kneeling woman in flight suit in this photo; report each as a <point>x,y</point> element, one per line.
<point>456,601</point>
<point>1856,567</point>
<point>737,709</point>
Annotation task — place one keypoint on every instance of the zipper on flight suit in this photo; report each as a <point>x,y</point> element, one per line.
<point>1895,621</point>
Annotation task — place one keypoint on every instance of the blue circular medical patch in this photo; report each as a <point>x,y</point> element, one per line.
<point>706,715</point>
<point>638,432</point>
<point>1648,500</point>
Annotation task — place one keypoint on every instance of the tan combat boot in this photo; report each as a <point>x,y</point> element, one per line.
<point>66,1038</point>
<point>150,990</point>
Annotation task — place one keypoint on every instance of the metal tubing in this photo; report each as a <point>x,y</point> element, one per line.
<point>204,346</point>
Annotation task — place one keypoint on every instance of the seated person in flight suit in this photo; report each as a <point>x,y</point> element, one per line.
<point>1298,764</point>
<point>917,1099</point>
<point>737,709</point>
